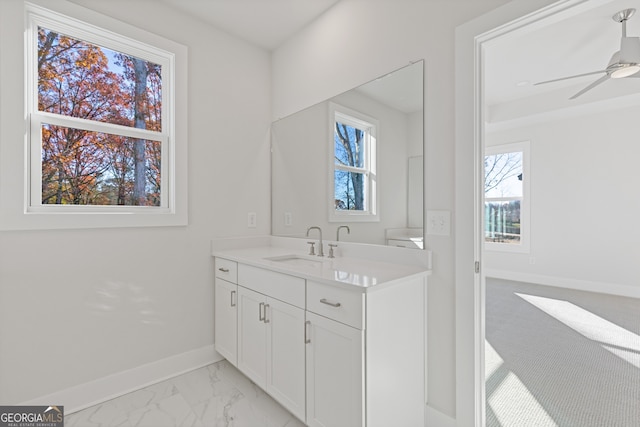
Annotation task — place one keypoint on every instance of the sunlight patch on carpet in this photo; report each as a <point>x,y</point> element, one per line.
<point>611,337</point>
<point>509,399</point>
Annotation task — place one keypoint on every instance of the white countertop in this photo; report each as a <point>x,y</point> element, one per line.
<point>350,272</point>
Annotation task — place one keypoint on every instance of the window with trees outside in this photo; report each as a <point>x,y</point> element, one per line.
<point>505,200</point>
<point>353,191</point>
<point>100,107</point>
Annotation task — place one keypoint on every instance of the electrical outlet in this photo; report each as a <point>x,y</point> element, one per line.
<point>288,219</point>
<point>439,223</point>
<point>251,220</point>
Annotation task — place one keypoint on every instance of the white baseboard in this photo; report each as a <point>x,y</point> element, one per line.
<point>435,418</point>
<point>563,282</point>
<point>102,389</point>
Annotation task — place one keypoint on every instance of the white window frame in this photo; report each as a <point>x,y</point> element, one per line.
<point>525,201</point>
<point>91,27</point>
<point>371,127</point>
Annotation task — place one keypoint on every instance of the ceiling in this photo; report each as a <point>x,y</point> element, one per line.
<point>265,23</point>
<point>578,41</point>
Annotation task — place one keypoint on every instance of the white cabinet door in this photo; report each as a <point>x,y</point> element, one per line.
<point>271,347</point>
<point>286,355</point>
<point>252,342</point>
<point>335,382</point>
<point>226,320</point>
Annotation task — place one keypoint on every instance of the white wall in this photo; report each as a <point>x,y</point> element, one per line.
<point>584,181</point>
<point>368,39</point>
<point>77,305</point>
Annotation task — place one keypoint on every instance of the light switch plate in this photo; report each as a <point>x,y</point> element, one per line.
<point>251,220</point>
<point>439,223</point>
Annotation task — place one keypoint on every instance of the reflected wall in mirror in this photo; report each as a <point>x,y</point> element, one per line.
<point>305,162</point>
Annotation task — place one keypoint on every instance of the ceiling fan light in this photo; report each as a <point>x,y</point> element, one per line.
<point>626,71</point>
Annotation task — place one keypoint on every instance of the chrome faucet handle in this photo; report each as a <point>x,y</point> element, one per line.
<point>331,246</point>
<point>320,249</point>
<point>312,249</point>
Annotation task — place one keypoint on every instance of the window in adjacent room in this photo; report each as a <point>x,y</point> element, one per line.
<point>102,125</point>
<point>353,194</point>
<point>505,197</point>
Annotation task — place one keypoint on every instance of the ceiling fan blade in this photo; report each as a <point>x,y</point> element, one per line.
<point>591,86</point>
<point>571,77</point>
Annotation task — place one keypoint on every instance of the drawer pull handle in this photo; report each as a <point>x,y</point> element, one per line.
<point>233,303</point>
<point>332,304</point>
<point>266,306</point>
<point>261,312</point>
<point>224,270</point>
<point>307,338</point>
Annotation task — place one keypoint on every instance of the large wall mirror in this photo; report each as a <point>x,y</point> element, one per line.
<point>355,160</point>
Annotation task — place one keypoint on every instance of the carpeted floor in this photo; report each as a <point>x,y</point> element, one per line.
<point>559,357</point>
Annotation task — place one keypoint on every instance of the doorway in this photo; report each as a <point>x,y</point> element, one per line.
<point>473,39</point>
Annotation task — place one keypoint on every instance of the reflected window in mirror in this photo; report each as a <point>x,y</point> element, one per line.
<point>353,188</point>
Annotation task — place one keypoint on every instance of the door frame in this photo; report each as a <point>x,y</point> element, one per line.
<point>469,187</point>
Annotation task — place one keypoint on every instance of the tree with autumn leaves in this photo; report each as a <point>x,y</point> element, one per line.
<point>76,79</point>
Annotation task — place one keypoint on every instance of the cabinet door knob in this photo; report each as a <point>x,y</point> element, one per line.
<point>307,338</point>
<point>233,302</point>
<point>261,312</point>
<point>332,304</point>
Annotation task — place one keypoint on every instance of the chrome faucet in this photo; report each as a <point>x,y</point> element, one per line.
<point>320,251</point>
<point>338,232</point>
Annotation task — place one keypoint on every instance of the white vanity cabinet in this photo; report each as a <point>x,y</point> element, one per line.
<point>226,306</point>
<point>271,348</point>
<point>334,354</point>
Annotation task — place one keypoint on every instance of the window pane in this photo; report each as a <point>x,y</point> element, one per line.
<point>503,175</point>
<point>349,191</point>
<point>79,79</point>
<point>81,167</point>
<point>349,145</point>
<point>502,222</point>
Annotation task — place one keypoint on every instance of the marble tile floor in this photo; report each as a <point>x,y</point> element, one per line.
<point>217,395</point>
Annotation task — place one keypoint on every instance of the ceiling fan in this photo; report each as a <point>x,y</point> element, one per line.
<point>623,63</point>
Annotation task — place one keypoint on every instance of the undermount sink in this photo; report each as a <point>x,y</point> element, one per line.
<point>297,260</point>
